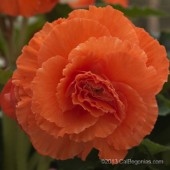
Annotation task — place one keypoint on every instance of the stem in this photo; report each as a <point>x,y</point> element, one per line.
<point>39,162</point>
<point>9,140</point>
<point>9,38</point>
<point>7,31</point>
<point>4,44</point>
<point>22,150</point>
<point>33,161</point>
<point>44,163</point>
<point>11,42</point>
<point>22,37</point>
<point>16,146</point>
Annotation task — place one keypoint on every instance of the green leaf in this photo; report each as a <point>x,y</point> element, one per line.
<point>3,45</point>
<point>135,11</point>
<point>164,105</point>
<point>4,76</point>
<point>166,157</point>
<point>9,132</point>
<point>60,11</point>
<point>34,25</point>
<point>43,163</point>
<point>22,151</point>
<point>164,40</point>
<point>153,148</point>
<point>69,164</point>
<point>92,161</point>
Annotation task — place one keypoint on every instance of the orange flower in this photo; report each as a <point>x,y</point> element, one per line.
<point>85,3</point>
<point>124,3</point>
<point>8,100</point>
<point>26,7</point>
<point>89,81</point>
<point>81,3</point>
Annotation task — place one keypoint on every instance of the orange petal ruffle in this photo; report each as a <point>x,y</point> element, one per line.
<point>26,8</point>
<point>7,100</point>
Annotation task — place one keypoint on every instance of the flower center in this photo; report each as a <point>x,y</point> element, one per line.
<point>96,95</point>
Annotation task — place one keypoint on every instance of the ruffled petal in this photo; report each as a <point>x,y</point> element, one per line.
<point>67,35</point>
<point>76,121</point>
<point>8,100</point>
<point>128,63</point>
<point>114,20</point>
<point>102,128</point>
<point>139,121</point>
<point>108,152</point>
<point>58,148</point>
<point>44,85</point>
<point>45,103</point>
<point>23,110</point>
<point>157,56</point>
<point>27,63</point>
<point>86,151</point>
<point>94,94</point>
